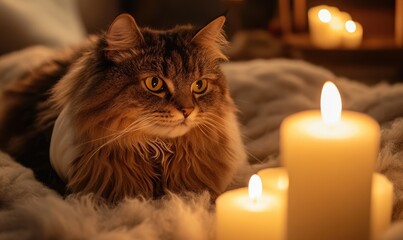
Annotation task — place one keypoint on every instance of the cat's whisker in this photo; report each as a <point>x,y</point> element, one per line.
<point>208,125</point>
<point>119,132</point>
<point>214,122</point>
<point>108,136</point>
<point>129,129</point>
<point>221,126</point>
<point>216,125</point>
<point>213,126</point>
<point>101,138</point>
<point>200,127</point>
<point>217,118</point>
<point>244,136</point>
<point>204,129</point>
<point>211,129</point>
<point>250,154</point>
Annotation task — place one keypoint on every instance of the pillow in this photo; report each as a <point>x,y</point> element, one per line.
<point>24,23</point>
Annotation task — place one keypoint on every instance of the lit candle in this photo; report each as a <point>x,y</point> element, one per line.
<point>344,17</point>
<point>325,28</point>
<point>381,205</point>
<point>275,180</point>
<point>249,213</point>
<point>330,159</point>
<point>352,34</point>
<point>337,24</point>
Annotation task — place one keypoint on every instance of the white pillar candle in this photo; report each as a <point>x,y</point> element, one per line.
<point>276,180</point>
<point>249,213</point>
<point>352,34</point>
<point>381,205</point>
<point>325,29</point>
<point>330,161</point>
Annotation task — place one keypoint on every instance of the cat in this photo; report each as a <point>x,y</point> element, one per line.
<point>130,112</point>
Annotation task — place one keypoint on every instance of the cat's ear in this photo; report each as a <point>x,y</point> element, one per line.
<point>123,35</point>
<point>212,36</point>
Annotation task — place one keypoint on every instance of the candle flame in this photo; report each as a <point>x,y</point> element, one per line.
<point>350,26</point>
<point>330,103</point>
<point>255,187</point>
<point>324,15</point>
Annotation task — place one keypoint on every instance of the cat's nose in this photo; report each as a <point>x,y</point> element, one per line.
<point>187,111</point>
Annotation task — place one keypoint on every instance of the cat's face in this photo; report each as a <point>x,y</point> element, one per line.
<point>162,83</point>
<point>170,91</point>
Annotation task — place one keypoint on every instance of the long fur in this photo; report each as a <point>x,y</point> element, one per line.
<point>130,141</point>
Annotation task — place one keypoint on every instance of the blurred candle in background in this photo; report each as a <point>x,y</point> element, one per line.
<point>352,35</point>
<point>325,28</point>
<point>329,28</point>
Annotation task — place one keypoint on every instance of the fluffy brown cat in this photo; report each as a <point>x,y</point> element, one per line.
<point>132,112</point>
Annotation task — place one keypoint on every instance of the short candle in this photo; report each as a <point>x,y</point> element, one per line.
<point>275,180</point>
<point>381,205</point>
<point>324,28</point>
<point>352,36</point>
<point>249,213</point>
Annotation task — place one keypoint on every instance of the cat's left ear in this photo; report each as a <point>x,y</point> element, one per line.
<point>212,36</point>
<point>122,37</point>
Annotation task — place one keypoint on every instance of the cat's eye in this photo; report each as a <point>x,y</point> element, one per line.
<point>199,86</point>
<point>155,84</point>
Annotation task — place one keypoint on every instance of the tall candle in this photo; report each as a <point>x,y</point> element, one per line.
<point>381,205</point>
<point>330,160</point>
<point>276,180</point>
<point>249,213</point>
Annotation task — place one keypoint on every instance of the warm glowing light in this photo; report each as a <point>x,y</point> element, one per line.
<point>255,187</point>
<point>282,182</point>
<point>336,23</point>
<point>324,15</point>
<point>330,103</point>
<point>350,26</point>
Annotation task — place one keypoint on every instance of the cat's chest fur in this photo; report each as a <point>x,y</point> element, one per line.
<point>147,165</point>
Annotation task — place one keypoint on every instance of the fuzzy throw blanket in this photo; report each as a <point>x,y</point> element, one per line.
<point>266,91</point>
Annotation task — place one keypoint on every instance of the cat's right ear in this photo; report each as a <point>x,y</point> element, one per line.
<point>122,37</point>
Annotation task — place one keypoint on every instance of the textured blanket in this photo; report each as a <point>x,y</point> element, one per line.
<point>265,91</point>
